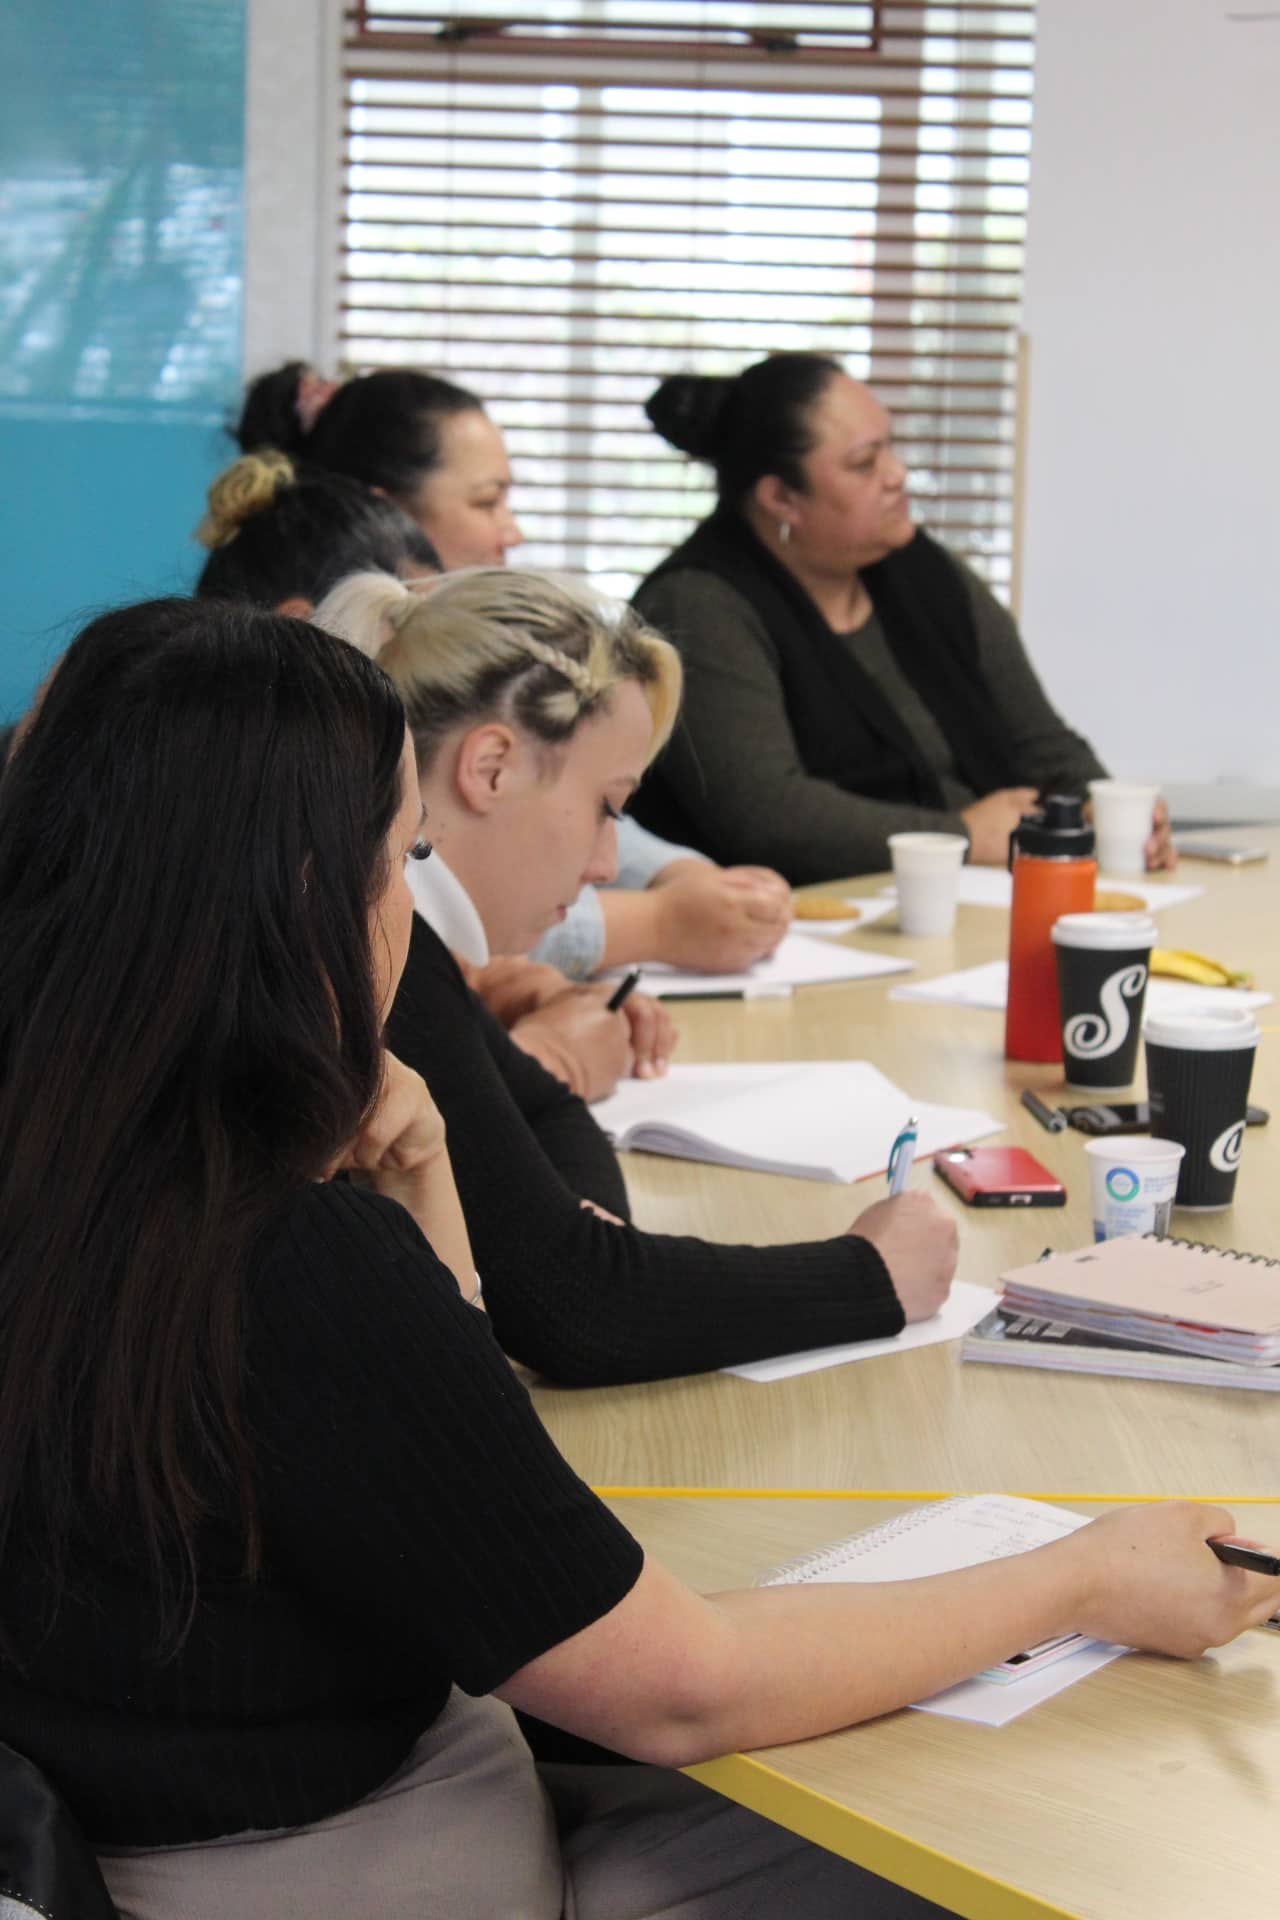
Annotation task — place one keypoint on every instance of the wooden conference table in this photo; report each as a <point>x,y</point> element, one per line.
<point>920,1421</point>
<point>1153,1786</point>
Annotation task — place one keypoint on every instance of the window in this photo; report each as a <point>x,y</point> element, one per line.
<point>558,210</point>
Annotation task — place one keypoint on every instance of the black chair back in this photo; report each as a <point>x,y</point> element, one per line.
<point>47,1867</point>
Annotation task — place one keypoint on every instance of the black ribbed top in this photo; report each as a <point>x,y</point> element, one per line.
<point>579,1300</point>
<point>420,1530</point>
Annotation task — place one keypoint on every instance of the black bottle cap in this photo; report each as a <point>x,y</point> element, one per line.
<point>1055,830</point>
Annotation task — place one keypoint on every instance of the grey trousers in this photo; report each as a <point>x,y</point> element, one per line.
<point>471,1829</point>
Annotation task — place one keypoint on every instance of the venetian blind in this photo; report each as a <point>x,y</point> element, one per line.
<point>557,210</point>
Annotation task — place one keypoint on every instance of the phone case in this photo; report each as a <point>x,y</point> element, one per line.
<point>999,1177</point>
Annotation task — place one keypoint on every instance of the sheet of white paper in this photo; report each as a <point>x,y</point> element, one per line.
<point>993,1703</point>
<point>964,1307</point>
<point>796,962</point>
<point>875,907</point>
<point>987,986</point>
<point>993,887</point>
<point>789,1116</point>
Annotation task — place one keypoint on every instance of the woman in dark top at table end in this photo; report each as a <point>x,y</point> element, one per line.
<point>846,677</point>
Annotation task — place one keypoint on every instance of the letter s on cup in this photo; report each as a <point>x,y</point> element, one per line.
<point>1092,1036</point>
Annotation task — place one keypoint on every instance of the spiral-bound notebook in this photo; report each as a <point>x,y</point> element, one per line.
<point>942,1538</point>
<point>1177,1294</point>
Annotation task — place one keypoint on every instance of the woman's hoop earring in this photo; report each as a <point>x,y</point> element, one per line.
<point>784,532</point>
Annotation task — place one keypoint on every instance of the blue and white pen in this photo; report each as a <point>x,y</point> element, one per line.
<point>901,1154</point>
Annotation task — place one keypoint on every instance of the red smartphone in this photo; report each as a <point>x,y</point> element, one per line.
<point>999,1177</point>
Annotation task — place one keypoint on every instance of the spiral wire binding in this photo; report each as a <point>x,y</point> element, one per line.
<point>1222,1253</point>
<point>811,1566</point>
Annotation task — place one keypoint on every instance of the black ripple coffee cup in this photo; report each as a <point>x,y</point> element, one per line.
<point>1198,1071</point>
<point>1102,985</point>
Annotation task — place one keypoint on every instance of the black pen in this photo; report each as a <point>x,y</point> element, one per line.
<point>1232,1555</point>
<point>1052,1119</point>
<point>623,990</point>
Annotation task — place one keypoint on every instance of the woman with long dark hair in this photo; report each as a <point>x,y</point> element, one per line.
<point>276,1519</point>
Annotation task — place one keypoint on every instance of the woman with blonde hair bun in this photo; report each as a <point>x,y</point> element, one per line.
<point>281,534</point>
<point>535,707</point>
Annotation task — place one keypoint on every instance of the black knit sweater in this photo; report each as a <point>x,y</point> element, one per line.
<point>579,1300</point>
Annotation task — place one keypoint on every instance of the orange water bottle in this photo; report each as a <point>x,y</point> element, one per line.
<point>1051,860</point>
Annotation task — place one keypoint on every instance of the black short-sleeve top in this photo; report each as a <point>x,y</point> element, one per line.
<point>420,1531</point>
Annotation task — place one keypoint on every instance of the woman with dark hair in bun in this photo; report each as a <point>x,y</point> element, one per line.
<point>431,448</point>
<point>846,677</point>
<point>427,444</point>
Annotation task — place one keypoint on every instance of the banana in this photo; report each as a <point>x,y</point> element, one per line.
<point>1177,964</point>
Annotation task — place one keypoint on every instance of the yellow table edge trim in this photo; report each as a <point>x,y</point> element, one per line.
<point>920,1493</point>
<point>912,1864</point>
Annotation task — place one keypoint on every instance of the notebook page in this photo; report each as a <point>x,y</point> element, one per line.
<point>827,1119</point>
<point>942,1539</point>
<point>938,1539</point>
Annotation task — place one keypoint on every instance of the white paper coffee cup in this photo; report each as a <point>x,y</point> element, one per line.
<point>1122,812</point>
<point>1132,1182</point>
<point>926,874</point>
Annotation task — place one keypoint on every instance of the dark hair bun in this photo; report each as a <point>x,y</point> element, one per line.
<point>688,411</point>
<point>269,417</point>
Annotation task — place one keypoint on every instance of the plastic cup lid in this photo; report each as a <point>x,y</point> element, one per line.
<point>1106,932</point>
<point>1215,1030</point>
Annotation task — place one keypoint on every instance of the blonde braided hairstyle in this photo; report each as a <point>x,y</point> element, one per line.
<point>536,650</point>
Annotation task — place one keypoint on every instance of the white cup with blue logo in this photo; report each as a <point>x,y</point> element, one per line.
<point>1132,1182</point>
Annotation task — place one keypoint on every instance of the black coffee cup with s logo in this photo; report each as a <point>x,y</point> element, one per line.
<point>1198,1071</point>
<point>1102,985</point>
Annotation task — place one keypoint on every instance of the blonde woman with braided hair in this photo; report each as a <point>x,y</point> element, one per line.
<point>543,661</point>
<point>535,707</point>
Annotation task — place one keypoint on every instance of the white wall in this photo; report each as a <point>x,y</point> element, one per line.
<point>291,177</point>
<point>1150,583</point>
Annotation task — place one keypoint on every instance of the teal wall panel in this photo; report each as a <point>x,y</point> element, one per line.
<point>121,176</point>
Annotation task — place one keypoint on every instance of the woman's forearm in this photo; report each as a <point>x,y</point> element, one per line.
<point>849,1653</point>
<point>672,1679</point>
<point>632,926</point>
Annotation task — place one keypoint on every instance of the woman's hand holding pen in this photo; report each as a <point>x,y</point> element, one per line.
<point>1146,1577</point>
<point>591,1045</point>
<point>919,1244</point>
